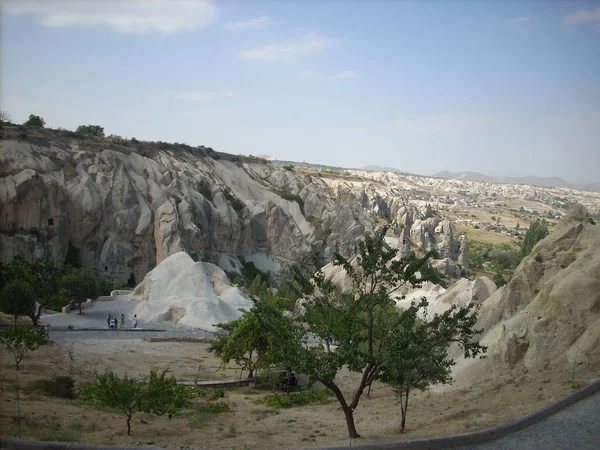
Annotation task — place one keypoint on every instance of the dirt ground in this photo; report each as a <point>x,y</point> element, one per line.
<point>248,424</point>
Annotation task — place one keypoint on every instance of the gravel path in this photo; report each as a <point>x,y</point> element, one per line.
<point>577,427</point>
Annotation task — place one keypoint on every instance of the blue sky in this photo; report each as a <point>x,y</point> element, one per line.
<point>498,87</point>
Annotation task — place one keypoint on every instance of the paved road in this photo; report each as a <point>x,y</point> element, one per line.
<point>577,427</point>
<point>92,324</point>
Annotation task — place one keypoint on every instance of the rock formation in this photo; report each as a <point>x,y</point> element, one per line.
<point>188,293</point>
<point>550,310</point>
<point>128,205</point>
<point>463,252</point>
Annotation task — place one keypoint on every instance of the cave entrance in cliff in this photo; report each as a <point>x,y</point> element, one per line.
<point>50,222</point>
<point>131,280</point>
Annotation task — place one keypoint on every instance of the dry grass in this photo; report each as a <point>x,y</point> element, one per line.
<point>488,237</point>
<point>249,425</point>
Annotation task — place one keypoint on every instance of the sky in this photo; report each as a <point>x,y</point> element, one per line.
<point>497,87</point>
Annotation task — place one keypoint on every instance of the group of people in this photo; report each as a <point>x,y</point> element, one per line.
<point>113,322</point>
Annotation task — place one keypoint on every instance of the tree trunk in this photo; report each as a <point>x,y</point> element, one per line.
<point>349,413</point>
<point>128,424</point>
<point>404,407</point>
<point>348,410</point>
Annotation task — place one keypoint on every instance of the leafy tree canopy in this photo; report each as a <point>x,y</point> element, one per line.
<point>537,231</point>
<point>90,130</point>
<point>20,341</point>
<point>159,395</point>
<point>35,122</point>
<point>17,298</point>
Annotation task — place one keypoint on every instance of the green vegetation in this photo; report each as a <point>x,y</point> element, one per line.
<point>250,272</point>
<point>416,353</point>
<point>537,231</point>
<point>286,194</point>
<point>319,397</point>
<point>63,387</point>
<point>90,130</point>
<point>246,340</point>
<point>159,395</point>
<point>365,322</point>
<point>17,298</point>
<point>205,189</point>
<point>495,258</point>
<point>34,122</point>
<point>209,393</point>
<point>213,408</point>
<point>20,340</point>
<point>235,202</point>
<point>288,167</point>
<point>51,283</point>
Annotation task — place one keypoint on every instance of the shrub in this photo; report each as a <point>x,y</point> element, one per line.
<point>236,203</point>
<point>213,408</point>
<point>210,394</point>
<point>296,399</point>
<point>287,195</point>
<point>205,189</point>
<point>63,387</point>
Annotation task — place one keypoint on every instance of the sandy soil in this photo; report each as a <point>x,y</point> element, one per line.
<point>247,424</point>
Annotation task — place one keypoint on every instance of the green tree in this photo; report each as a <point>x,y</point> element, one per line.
<point>537,231</point>
<point>20,341</point>
<point>359,319</point>
<point>415,354</point>
<point>160,395</point>
<point>90,130</point>
<point>79,284</point>
<point>45,278</point>
<point>499,279</point>
<point>249,341</point>
<point>35,122</point>
<point>17,298</point>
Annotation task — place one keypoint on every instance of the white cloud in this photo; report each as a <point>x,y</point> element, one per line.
<point>200,95</point>
<point>290,51</point>
<point>581,16</point>
<point>252,24</point>
<point>519,19</point>
<point>124,16</point>
<point>343,75</point>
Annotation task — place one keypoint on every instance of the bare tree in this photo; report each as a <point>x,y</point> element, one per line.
<point>4,117</point>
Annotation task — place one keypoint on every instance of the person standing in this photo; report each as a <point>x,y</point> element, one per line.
<point>122,320</point>
<point>134,321</point>
<point>108,320</point>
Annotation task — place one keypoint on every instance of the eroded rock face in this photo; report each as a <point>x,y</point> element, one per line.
<point>126,211</point>
<point>550,310</point>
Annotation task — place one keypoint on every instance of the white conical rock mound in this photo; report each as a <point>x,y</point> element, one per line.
<point>188,293</point>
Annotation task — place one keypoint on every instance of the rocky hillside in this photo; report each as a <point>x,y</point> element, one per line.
<point>549,313</point>
<point>123,206</point>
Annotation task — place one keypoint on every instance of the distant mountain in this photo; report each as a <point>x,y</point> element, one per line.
<point>382,169</point>
<point>554,182</point>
